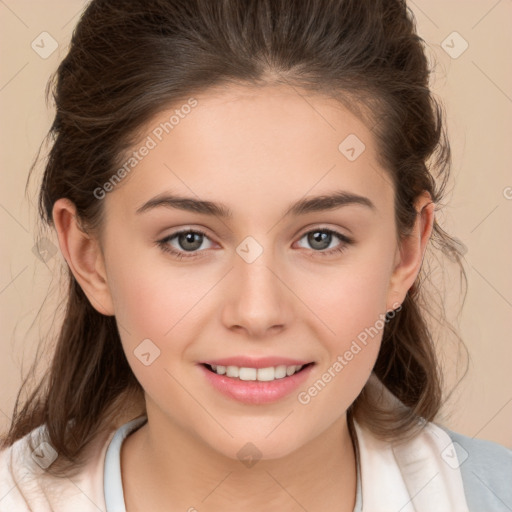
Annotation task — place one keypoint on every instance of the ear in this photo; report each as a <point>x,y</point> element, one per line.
<point>83,255</point>
<point>409,255</point>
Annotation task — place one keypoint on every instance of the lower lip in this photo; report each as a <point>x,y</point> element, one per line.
<point>256,392</point>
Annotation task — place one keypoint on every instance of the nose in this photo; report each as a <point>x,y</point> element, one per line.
<point>256,300</point>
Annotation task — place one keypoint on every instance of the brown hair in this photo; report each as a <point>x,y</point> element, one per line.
<point>128,60</point>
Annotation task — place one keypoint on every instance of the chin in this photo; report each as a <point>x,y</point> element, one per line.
<point>259,447</point>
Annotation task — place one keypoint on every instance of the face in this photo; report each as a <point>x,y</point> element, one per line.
<point>254,283</point>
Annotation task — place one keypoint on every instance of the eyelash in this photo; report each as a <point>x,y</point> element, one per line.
<point>345,241</point>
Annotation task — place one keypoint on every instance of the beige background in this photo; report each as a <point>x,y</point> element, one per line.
<point>476,87</point>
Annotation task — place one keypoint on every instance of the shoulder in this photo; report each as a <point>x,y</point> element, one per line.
<point>26,485</point>
<point>486,470</point>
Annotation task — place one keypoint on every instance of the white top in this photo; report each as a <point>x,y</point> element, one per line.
<point>113,484</point>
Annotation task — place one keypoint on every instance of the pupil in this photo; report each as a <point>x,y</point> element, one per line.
<point>320,237</point>
<point>188,238</point>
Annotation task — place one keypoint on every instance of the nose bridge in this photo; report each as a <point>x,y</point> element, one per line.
<point>257,300</point>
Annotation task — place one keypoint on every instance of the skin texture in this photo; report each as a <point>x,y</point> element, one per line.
<point>255,151</point>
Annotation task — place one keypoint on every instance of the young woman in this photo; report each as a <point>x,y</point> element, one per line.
<point>244,192</point>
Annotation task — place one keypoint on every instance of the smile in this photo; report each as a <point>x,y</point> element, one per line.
<point>261,374</point>
<point>252,385</point>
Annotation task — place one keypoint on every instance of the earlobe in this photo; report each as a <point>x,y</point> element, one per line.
<point>411,251</point>
<point>83,254</point>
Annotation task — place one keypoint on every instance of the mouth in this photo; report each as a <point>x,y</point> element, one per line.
<point>267,374</point>
<point>256,386</point>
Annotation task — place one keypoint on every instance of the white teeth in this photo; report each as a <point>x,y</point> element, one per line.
<point>280,371</point>
<point>290,370</point>
<point>266,374</point>
<point>260,374</point>
<point>232,371</point>
<point>247,374</point>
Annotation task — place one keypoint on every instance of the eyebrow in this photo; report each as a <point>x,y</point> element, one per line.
<point>319,203</point>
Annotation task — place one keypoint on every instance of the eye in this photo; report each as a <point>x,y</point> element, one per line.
<point>187,243</point>
<point>183,242</point>
<point>321,241</point>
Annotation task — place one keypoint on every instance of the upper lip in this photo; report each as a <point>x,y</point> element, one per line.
<point>255,362</point>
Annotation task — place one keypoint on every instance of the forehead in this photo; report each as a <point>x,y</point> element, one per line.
<point>250,147</point>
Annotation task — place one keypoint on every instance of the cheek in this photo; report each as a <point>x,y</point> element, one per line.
<point>151,299</point>
<point>354,311</point>
<point>347,299</point>
<point>158,310</point>
<point>351,303</point>
<point>151,315</point>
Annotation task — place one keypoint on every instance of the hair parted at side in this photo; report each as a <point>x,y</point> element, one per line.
<point>129,60</point>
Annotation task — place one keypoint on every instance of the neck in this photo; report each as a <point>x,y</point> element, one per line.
<point>185,472</point>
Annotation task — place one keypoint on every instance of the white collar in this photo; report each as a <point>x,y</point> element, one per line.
<point>417,475</point>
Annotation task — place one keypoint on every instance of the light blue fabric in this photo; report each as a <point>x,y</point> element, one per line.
<point>486,470</point>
